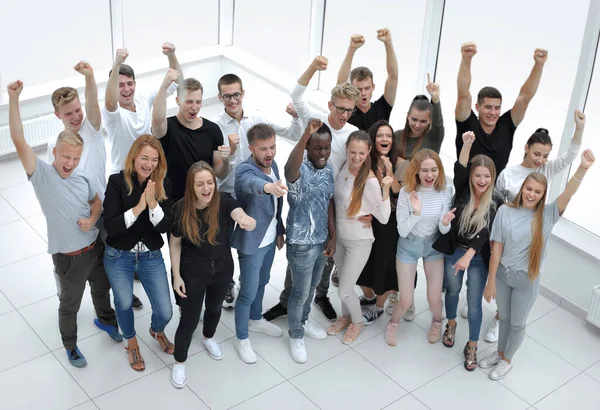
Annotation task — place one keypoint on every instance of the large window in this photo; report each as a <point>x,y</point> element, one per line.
<point>343,18</point>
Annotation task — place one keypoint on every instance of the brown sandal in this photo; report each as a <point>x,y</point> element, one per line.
<point>449,335</point>
<point>470,357</point>
<point>136,358</point>
<point>165,344</point>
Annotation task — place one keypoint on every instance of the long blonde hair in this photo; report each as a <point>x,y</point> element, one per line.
<point>474,220</point>
<point>158,175</point>
<point>537,224</point>
<point>363,174</point>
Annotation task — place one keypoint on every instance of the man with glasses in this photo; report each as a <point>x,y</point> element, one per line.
<point>234,124</point>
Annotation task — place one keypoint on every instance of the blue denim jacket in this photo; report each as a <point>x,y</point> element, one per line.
<point>249,191</point>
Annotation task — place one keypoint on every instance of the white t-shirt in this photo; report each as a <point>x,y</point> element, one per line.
<point>271,233</point>
<point>93,160</point>
<point>124,126</point>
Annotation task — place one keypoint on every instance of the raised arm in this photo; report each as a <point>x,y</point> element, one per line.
<point>463,82</point>
<point>92,109</point>
<point>159,109</point>
<point>528,90</point>
<point>468,139</point>
<point>298,99</point>
<point>168,49</point>
<point>221,161</point>
<point>111,96</point>
<point>292,166</point>
<point>391,64</point>
<point>356,42</point>
<point>587,160</point>
<point>25,152</point>
<point>564,161</point>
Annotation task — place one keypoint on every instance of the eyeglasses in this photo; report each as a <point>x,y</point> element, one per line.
<point>341,110</point>
<point>228,97</point>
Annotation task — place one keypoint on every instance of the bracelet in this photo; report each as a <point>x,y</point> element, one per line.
<point>581,166</point>
<point>575,178</point>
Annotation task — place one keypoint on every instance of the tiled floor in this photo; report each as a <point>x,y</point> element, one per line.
<point>557,367</point>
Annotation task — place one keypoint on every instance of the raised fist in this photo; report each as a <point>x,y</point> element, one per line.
<point>224,151</point>
<point>468,50</point>
<point>587,159</point>
<point>540,56</point>
<point>168,48</point>
<point>313,125</point>
<point>171,76</point>
<point>121,56</point>
<point>291,110</point>
<point>387,181</point>
<point>384,35</point>
<point>357,41</point>
<point>579,119</point>
<point>14,89</point>
<point>468,137</point>
<point>320,63</point>
<point>83,67</point>
<point>234,140</point>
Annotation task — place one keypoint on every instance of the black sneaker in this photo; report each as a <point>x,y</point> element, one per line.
<point>137,303</point>
<point>229,301</point>
<point>325,306</point>
<point>366,302</point>
<point>275,312</point>
<point>335,279</point>
<point>372,315</point>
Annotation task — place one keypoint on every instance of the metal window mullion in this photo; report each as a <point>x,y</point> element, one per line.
<point>430,42</point>
<point>317,29</point>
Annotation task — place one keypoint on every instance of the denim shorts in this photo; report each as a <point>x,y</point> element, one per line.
<point>413,247</point>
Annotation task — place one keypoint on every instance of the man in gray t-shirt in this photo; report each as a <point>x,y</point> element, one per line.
<point>71,208</point>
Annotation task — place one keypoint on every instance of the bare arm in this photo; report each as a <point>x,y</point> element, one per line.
<point>221,161</point>
<point>463,82</point>
<point>95,209</point>
<point>468,138</point>
<point>391,63</point>
<point>111,96</point>
<point>159,109</point>
<point>25,152</point>
<point>92,109</point>
<point>168,49</point>
<point>356,41</point>
<point>530,87</point>
<point>292,166</point>
<point>587,160</point>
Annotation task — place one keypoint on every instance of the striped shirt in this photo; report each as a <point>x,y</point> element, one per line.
<point>434,205</point>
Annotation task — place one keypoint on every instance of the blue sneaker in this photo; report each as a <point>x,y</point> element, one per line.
<point>112,331</point>
<point>76,358</point>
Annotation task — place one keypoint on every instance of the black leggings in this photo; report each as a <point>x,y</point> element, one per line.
<point>201,277</point>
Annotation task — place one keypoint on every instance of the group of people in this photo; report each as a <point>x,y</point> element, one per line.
<point>365,204</point>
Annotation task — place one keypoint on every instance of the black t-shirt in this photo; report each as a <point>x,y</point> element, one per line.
<point>380,110</point>
<point>183,147</point>
<point>206,251</point>
<point>496,145</point>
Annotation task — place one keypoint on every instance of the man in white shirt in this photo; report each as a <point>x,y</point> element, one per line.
<point>127,115</point>
<point>234,124</point>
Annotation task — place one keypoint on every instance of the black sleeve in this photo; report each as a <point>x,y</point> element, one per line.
<point>461,178</point>
<point>114,214</point>
<point>479,240</point>
<point>228,203</point>
<point>166,205</point>
<point>507,119</point>
<point>176,218</point>
<point>461,128</point>
<point>217,137</point>
<point>436,135</point>
<point>384,109</point>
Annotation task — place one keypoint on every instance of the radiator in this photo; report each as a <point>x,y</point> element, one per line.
<point>594,312</point>
<point>38,131</point>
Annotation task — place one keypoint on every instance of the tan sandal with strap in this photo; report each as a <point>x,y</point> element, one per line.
<point>470,353</point>
<point>165,344</point>
<point>135,359</point>
<point>449,335</point>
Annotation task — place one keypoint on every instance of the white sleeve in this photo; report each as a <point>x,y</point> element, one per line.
<point>156,214</point>
<point>88,128</point>
<point>560,164</point>
<point>130,218</point>
<point>374,198</point>
<point>301,105</point>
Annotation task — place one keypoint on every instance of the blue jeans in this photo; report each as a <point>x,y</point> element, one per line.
<point>255,272</point>
<point>477,274</point>
<point>120,266</point>
<point>306,263</point>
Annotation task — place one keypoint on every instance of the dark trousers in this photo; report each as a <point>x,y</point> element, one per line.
<point>322,287</point>
<point>210,278</point>
<point>72,272</point>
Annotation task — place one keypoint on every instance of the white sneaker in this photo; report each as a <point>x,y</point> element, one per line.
<point>392,300</point>
<point>178,378</point>
<point>213,348</point>
<point>244,349</point>
<point>298,350</point>
<point>464,310</point>
<point>501,369</point>
<point>490,361</point>
<point>263,326</point>
<point>409,315</point>
<point>491,336</point>
<point>313,331</point>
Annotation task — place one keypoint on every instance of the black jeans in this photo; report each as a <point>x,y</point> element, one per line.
<point>201,277</point>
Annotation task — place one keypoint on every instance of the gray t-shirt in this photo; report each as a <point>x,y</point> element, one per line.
<point>512,227</point>
<point>63,201</point>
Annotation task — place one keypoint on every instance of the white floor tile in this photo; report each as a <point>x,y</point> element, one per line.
<point>16,280</point>
<point>541,307</point>
<point>40,384</point>
<point>88,405</point>
<point>579,342</point>
<point>341,383</point>
<point>582,393</point>
<point>594,371</point>
<point>38,223</point>
<point>19,241</point>
<point>151,392</point>
<point>286,394</point>
<point>407,402</point>
<point>22,198</point>
<point>5,305</point>
<point>225,383</point>
<point>12,173</point>
<point>18,343</point>
<point>108,366</point>
<point>7,212</point>
<point>43,319</point>
<point>413,361</point>
<point>458,386</point>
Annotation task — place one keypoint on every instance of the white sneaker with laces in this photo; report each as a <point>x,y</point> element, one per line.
<point>298,350</point>
<point>501,369</point>
<point>490,361</point>
<point>263,326</point>
<point>313,331</point>
<point>244,349</point>
<point>464,310</point>
<point>491,336</point>
<point>178,378</point>
<point>213,348</point>
<point>409,315</point>
<point>392,300</point>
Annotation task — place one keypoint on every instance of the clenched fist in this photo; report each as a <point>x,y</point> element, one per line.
<point>384,35</point>
<point>468,50</point>
<point>168,48</point>
<point>320,63</point>
<point>83,67</point>
<point>357,41</point>
<point>14,89</point>
<point>121,56</point>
